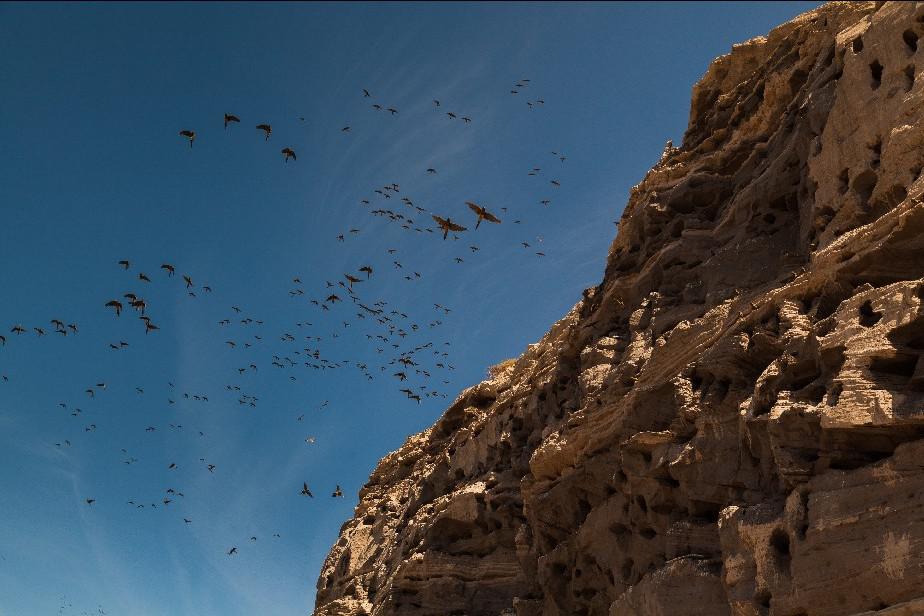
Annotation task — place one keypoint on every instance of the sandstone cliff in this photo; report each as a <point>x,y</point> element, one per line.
<point>732,422</point>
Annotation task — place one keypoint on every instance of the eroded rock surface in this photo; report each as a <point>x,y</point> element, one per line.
<point>732,422</point>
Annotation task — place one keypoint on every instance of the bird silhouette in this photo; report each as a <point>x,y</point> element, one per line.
<point>338,493</point>
<point>288,152</point>
<point>447,225</point>
<point>267,130</point>
<point>305,491</point>
<point>482,213</point>
<point>189,134</point>
<point>115,304</point>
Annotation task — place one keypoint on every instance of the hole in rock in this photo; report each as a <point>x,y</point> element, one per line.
<point>626,570</point>
<point>843,180</point>
<point>779,541</point>
<point>763,598</point>
<point>875,71</point>
<point>875,153</point>
<point>900,365</point>
<point>864,184</point>
<point>857,45</point>
<point>911,40</point>
<point>868,316</point>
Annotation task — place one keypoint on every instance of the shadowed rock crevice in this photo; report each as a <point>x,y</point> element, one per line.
<point>732,421</point>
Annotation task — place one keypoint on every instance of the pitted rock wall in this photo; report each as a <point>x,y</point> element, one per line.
<point>732,422</point>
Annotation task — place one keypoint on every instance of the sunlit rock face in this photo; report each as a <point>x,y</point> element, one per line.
<point>732,422</point>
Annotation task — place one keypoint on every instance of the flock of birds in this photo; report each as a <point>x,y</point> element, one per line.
<point>418,367</point>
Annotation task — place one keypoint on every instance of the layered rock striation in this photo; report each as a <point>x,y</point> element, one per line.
<point>732,422</point>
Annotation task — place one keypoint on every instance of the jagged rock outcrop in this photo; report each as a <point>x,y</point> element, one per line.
<point>732,422</point>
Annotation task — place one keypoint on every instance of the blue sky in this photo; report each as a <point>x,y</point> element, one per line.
<point>93,171</point>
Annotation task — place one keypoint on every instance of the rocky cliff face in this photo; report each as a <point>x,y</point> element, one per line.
<point>732,422</point>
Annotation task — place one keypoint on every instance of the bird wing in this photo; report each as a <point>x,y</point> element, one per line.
<point>475,207</point>
<point>490,217</point>
<point>454,227</point>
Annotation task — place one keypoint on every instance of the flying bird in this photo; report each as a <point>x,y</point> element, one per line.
<point>338,493</point>
<point>447,225</point>
<point>305,491</point>
<point>189,134</point>
<point>231,118</point>
<point>482,213</point>
<point>287,152</point>
<point>267,129</point>
<point>168,268</point>
<point>117,305</point>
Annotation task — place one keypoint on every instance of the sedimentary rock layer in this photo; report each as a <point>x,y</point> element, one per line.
<point>732,422</point>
